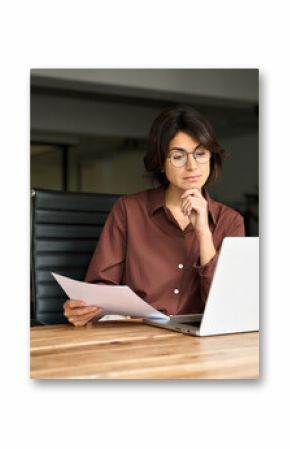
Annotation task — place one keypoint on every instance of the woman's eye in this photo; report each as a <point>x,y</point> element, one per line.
<point>177,156</point>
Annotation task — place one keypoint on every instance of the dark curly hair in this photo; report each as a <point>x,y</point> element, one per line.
<point>166,125</point>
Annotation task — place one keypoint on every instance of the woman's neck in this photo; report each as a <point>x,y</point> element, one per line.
<point>173,196</point>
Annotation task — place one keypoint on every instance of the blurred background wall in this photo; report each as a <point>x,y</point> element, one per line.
<point>89,128</point>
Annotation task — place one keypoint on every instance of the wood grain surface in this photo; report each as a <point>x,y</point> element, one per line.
<point>131,350</point>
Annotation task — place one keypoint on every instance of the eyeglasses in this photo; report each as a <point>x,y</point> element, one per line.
<point>179,157</point>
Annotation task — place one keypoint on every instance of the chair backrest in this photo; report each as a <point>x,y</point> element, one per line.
<point>65,228</point>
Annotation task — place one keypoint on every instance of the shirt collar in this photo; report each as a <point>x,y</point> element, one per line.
<point>157,201</point>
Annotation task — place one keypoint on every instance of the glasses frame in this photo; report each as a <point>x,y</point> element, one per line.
<point>187,154</point>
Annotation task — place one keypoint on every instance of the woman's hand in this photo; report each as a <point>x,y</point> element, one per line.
<point>78,313</point>
<point>194,205</point>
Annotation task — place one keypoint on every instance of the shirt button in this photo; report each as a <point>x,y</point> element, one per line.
<point>176,291</point>
<point>180,265</point>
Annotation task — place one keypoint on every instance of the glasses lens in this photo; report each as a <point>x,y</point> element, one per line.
<point>202,155</point>
<point>178,158</point>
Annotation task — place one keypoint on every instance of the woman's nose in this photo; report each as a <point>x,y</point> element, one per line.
<point>191,162</point>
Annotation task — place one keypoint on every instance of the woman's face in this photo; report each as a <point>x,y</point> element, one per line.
<point>192,174</point>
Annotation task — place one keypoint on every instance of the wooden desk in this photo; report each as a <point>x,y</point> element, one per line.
<point>132,350</point>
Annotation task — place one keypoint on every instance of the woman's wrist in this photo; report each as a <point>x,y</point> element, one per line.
<point>203,234</point>
<point>206,246</point>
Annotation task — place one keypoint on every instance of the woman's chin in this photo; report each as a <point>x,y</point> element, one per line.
<point>191,184</point>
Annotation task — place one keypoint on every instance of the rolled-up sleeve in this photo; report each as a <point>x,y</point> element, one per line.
<point>233,226</point>
<point>107,263</point>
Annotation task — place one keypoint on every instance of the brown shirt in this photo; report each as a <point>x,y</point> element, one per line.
<point>142,246</point>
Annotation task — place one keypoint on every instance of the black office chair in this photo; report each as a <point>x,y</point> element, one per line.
<point>65,228</point>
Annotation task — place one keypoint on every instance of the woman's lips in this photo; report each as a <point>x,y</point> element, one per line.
<point>192,178</point>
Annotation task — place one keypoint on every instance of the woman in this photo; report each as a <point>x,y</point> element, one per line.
<point>164,242</point>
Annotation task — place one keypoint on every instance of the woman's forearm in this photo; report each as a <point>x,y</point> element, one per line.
<point>206,247</point>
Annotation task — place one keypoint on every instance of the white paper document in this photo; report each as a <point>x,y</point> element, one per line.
<point>114,299</point>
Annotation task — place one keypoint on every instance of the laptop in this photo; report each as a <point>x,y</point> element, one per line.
<point>233,301</point>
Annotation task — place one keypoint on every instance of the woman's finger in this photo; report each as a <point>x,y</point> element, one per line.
<point>72,303</point>
<point>76,311</point>
<point>195,192</point>
<point>189,201</point>
<point>194,202</point>
<point>83,322</point>
<point>191,209</point>
<point>82,319</point>
<point>80,323</point>
<point>185,204</point>
<point>82,311</point>
<point>195,206</point>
